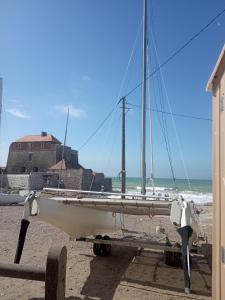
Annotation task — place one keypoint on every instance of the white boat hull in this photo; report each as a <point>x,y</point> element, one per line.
<point>77,221</point>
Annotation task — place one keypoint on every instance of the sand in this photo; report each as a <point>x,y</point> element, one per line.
<point>123,275</point>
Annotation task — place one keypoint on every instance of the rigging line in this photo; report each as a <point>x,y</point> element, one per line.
<point>119,94</point>
<point>176,52</point>
<point>164,123</point>
<point>131,58</point>
<point>106,136</point>
<point>151,133</point>
<point>174,114</point>
<point>99,126</point>
<point>163,133</point>
<point>170,109</point>
<point>113,143</point>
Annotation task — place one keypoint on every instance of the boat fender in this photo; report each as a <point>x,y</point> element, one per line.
<point>176,213</point>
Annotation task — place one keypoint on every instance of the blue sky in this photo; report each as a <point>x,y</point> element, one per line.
<point>57,53</point>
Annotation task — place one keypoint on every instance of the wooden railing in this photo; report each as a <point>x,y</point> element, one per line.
<point>54,274</point>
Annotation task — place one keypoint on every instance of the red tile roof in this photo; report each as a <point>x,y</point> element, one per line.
<point>38,138</point>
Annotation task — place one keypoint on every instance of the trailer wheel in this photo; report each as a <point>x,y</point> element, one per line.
<point>106,248</point>
<point>172,258</point>
<point>97,248</point>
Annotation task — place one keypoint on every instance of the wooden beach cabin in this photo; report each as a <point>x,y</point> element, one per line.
<point>216,85</point>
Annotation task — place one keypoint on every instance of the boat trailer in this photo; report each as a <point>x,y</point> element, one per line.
<point>182,215</point>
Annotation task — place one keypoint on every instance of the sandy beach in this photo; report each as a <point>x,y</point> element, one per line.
<point>123,275</point>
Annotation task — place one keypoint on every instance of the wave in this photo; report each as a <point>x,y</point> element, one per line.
<point>157,188</point>
<point>197,197</point>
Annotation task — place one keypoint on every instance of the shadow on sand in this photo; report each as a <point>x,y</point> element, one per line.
<point>145,271</point>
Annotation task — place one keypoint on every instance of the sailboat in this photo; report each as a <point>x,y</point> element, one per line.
<point>80,215</point>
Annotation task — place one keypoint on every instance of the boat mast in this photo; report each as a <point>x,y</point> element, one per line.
<point>63,149</point>
<point>123,163</point>
<point>144,89</point>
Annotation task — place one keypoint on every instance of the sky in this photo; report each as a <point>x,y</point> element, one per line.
<point>75,53</point>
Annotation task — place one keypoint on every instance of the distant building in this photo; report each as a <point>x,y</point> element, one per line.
<point>38,153</point>
<point>44,161</point>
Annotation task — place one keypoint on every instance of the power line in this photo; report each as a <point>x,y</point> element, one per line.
<point>179,50</point>
<point>155,71</point>
<point>99,127</point>
<point>174,114</point>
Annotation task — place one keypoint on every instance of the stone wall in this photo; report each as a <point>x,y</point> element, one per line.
<point>78,179</point>
<point>108,184</point>
<point>33,181</point>
<point>43,179</point>
<point>85,179</point>
<point>72,179</point>
<point>18,182</point>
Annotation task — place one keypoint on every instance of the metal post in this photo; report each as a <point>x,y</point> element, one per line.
<point>123,163</point>
<point>143,185</point>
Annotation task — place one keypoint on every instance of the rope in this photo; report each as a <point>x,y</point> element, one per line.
<point>119,94</point>
<point>92,181</point>
<point>99,127</point>
<point>176,52</point>
<point>151,134</point>
<point>131,58</point>
<point>174,114</point>
<point>163,126</point>
<point>170,110</point>
<point>113,143</point>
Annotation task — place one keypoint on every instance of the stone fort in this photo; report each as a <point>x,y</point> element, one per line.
<point>44,161</point>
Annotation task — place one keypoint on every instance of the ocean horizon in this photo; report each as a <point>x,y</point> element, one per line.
<point>198,190</point>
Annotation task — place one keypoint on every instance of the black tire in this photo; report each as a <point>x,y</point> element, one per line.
<point>106,248</point>
<point>97,248</point>
<point>172,258</point>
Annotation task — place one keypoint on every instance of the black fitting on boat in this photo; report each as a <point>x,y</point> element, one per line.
<point>22,236</point>
<point>185,233</point>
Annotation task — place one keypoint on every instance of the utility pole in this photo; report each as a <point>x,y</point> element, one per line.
<point>123,162</point>
<point>144,89</point>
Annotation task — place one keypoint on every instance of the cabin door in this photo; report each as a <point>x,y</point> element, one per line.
<point>222,187</point>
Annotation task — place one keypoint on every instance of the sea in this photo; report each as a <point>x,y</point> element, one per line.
<point>198,190</point>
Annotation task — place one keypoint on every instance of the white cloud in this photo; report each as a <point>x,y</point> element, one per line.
<point>74,112</point>
<point>86,78</point>
<point>18,113</point>
<point>15,102</point>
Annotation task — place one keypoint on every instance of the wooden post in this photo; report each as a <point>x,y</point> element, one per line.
<point>55,280</point>
<point>22,272</point>
<point>54,275</point>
